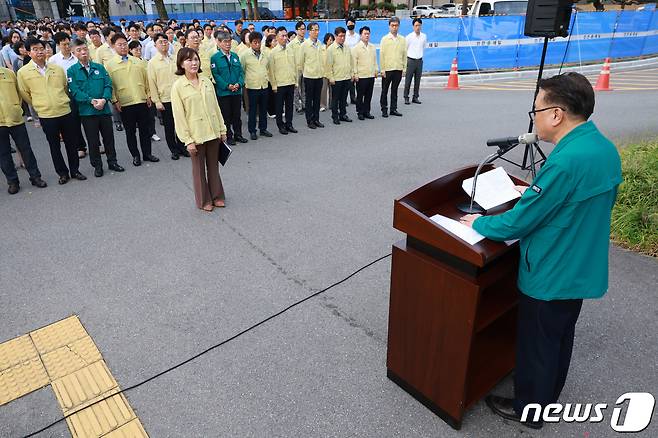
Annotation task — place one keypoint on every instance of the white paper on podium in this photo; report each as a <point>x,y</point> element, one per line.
<point>464,232</point>
<point>493,188</point>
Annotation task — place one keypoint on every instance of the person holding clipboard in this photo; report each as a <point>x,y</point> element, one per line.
<point>200,126</point>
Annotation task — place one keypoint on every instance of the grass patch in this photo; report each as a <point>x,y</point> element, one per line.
<point>635,216</point>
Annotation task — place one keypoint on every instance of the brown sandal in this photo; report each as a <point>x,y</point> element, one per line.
<point>207,208</point>
<point>220,203</point>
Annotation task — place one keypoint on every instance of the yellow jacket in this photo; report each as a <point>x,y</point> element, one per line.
<point>296,46</point>
<point>161,75</point>
<point>103,54</point>
<point>11,112</point>
<point>204,56</point>
<point>393,53</point>
<point>282,67</point>
<point>364,60</point>
<point>47,94</point>
<point>92,50</point>
<point>310,58</point>
<point>130,84</point>
<point>197,116</point>
<point>339,62</point>
<point>256,75</point>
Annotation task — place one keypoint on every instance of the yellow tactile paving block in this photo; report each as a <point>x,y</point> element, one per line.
<point>57,335</point>
<point>102,418</point>
<point>22,379</point>
<point>16,351</point>
<point>71,357</point>
<point>134,429</point>
<point>83,386</point>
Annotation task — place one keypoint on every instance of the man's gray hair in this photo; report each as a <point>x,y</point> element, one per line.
<point>222,36</point>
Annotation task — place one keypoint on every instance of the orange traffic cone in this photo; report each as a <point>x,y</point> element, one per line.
<point>603,82</point>
<point>453,79</point>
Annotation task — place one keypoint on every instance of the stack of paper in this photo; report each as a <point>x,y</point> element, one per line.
<point>464,232</point>
<point>493,188</point>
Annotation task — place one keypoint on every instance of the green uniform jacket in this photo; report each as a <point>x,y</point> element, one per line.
<point>563,219</point>
<point>225,72</point>
<point>86,86</point>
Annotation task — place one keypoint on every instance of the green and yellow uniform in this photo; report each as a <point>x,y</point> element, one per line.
<point>11,112</point>
<point>129,79</point>
<point>47,92</point>
<point>282,67</point>
<point>393,53</point>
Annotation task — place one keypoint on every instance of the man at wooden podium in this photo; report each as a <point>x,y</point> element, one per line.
<point>563,223</point>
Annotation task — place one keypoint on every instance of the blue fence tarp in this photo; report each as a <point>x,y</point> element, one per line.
<point>497,42</point>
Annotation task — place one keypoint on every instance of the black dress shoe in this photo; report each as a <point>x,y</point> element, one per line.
<point>78,176</point>
<point>230,142</point>
<point>345,119</point>
<point>504,407</point>
<point>291,129</point>
<point>396,113</point>
<point>336,122</point>
<point>311,125</point>
<point>151,158</point>
<point>175,156</point>
<point>369,116</point>
<point>184,153</point>
<point>416,101</point>
<point>38,182</point>
<point>265,133</point>
<point>137,161</point>
<point>115,167</point>
<point>13,188</point>
<point>283,131</point>
<point>253,136</point>
<point>241,139</point>
<point>318,124</point>
<point>98,172</point>
<point>63,179</point>
<point>384,114</point>
<point>406,101</point>
<point>119,126</point>
<point>362,117</point>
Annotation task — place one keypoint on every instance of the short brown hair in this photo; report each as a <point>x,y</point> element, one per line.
<point>183,54</point>
<point>572,91</point>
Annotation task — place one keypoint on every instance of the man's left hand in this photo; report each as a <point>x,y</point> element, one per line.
<point>469,219</point>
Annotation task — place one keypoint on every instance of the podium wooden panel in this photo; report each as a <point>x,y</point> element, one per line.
<point>452,312</point>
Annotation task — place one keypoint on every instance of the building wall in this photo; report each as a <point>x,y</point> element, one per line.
<point>42,8</point>
<point>4,11</point>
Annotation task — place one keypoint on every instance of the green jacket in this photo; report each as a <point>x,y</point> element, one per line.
<point>225,72</point>
<point>86,86</point>
<point>563,219</point>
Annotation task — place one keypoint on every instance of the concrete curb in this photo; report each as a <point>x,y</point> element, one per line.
<point>474,77</point>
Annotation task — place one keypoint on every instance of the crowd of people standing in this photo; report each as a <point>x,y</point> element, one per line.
<point>70,78</point>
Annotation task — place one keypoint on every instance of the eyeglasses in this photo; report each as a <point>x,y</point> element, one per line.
<point>532,113</point>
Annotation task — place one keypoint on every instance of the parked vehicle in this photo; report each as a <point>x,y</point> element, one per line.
<point>498,7</point>
<point>425,11</point>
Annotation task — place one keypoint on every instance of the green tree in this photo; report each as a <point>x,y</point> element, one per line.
<point>162,11</point>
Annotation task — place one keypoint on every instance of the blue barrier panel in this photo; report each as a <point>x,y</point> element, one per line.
<point>497,42</point>
<point>650,46</point>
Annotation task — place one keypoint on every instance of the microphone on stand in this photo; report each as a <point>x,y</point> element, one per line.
<point>504,145</point>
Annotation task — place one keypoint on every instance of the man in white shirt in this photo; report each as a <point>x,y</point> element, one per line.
<point>64,58</point>
<point>352,38</point>
<point>416,43</point>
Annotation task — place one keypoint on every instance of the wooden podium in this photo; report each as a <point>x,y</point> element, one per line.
<point>452,314</point>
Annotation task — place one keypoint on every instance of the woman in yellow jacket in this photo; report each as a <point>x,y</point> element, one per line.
<point>200,126</point>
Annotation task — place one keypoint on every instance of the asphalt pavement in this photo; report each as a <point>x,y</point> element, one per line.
<point>154,280</point>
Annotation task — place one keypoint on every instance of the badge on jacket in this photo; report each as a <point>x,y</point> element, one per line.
<point>535,188</point>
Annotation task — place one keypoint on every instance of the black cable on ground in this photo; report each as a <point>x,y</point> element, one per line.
<point>207,350</point>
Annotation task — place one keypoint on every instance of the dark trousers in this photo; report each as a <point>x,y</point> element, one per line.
<point>19,134</point>
<point>364,89</point>
<point>82,145</point>
<point>352,92</point>
<point>271,101</point>
<point>66,126</point>
<point>414,71</point>
<point>95,126</point>
<point>153,113</point>
<point>339,98</point>
<point>231,107</point>
<point>391,80</point>
<point>313,90</point>
<point>257,108</point>
<point>284,97</point>
<point>543,349</point>
<point>174,144</point>
<point>137,117</point>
